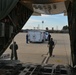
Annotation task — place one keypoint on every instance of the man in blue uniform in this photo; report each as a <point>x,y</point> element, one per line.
<point>51,46</point>
<point>27,38</point>
<point>49,37</point>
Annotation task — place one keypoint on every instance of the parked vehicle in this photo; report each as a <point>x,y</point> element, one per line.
<point>36,36</point>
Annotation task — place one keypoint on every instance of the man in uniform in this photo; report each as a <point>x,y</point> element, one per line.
<point>14,48</point>
<point>51,46</point>
<point>27,38</point>
<point>49,37</point>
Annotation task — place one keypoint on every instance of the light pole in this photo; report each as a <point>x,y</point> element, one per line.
<point>38,26</point>
<point>42,24</point>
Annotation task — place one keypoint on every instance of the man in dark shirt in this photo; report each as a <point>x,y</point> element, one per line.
<point>27,38</point>
<point>14,48</point>
<point>49,37</point>
<point>51,46</point>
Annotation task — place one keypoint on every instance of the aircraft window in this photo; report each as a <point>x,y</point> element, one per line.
<point>46,33</point>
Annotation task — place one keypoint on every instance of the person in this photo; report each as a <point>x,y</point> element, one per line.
<point>51,46</point>
<point>26,38</point>
<point>14,48</point>
<point>49,37</point>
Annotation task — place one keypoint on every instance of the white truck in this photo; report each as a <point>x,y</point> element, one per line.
<point>36,36</point>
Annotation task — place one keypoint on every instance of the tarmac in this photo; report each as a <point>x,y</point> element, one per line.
<point>37,52</point>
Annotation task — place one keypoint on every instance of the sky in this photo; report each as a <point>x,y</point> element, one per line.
<point>56,21</point>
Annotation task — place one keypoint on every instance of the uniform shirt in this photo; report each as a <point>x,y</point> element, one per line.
<point>14,46</point>
<point>51,44</point>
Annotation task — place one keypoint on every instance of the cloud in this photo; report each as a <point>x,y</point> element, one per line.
<point>44,15</point>
<point>31,23</point>
<point>33,20</point>
<point>55,16</point>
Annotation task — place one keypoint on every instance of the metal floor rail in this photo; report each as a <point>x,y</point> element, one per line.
<point>16,68</point>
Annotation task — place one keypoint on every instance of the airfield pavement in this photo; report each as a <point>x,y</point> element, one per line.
<point>36,52</point>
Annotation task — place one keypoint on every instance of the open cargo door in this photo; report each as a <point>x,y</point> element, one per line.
<point>13,16</point>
